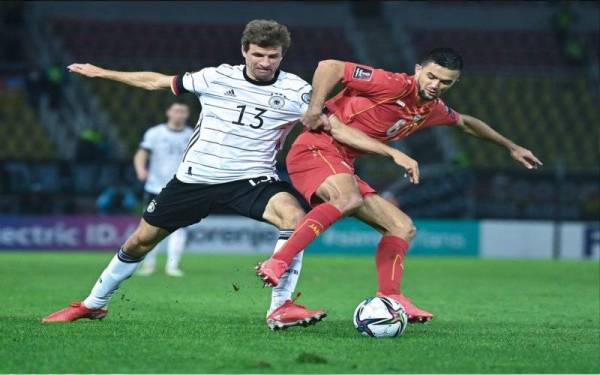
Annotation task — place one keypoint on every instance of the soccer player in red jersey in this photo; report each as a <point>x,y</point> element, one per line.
<point>386,106</point>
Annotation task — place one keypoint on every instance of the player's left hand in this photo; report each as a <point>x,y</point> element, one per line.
<point>525,157</point>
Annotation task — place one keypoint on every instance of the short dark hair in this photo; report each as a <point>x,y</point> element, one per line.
<point>266,33</point>
<point>446,57</point>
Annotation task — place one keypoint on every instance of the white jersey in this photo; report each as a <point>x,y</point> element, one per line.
<point>243,123</point>
<point>166,148</point>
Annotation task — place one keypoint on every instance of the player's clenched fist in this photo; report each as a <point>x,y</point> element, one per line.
<point>315,119</point>
<point>411,165</point>
<point>87,70</point>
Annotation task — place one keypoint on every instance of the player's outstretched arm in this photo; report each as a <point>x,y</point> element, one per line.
<point>328,74</point>
<point>480,129</point>
<point>145,80</point>
<point>358,140</point>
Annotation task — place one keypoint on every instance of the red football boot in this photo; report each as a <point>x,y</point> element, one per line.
<point>270,271</point>
<point>415,314</point>
<point>291,314</point>
<point>75,311</point>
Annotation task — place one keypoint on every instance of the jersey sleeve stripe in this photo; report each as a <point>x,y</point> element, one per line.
<point>177,85</point>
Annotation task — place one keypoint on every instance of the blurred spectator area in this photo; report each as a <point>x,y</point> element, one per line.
<point>502,49</point>
<point>22,136</point>
<point>131,110</point>
<point>529,72</point>
<point>556,116</point>
<point>11,31</point>
<point>193,45</point>
<point>173,49</point>
<point>530,85</point>
<point>52,186</point>
<point>493,193</point>
<point>444,192</point>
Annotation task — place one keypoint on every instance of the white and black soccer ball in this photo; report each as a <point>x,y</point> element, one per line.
<point>380,317</point>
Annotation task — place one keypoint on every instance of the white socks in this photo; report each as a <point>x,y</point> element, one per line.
<point>175,245</point>
<point>120,268</point>
<point>287,283</point>
<point>123,265</point>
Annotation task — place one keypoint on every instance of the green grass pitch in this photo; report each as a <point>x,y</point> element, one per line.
<point>491,316</point>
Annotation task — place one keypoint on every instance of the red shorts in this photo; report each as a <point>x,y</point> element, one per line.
<point>309,164</point>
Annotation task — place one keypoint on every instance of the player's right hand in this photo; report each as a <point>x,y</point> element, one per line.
<point>315,120</point>
<point>411,165</point>
<point>87,70</point>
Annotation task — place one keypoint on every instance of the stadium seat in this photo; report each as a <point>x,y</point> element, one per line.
<point>548,117</point>
<point>23,137</point>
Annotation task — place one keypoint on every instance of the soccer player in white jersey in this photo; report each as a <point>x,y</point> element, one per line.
<point>247,111</point>
<point>155,163</point>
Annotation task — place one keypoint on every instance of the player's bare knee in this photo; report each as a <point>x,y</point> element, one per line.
<point>407,231</point>
<point>412,232</point>
<point>403,228</point>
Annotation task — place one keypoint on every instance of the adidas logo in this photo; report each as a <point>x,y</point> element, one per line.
<point>230,92</point>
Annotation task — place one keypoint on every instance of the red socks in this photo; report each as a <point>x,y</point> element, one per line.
<point>313,224</point>
<point>389,260</point>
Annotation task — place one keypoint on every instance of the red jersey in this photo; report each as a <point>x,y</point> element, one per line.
<point>383,105</point>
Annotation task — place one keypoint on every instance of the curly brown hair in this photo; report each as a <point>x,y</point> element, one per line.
<point>266,33</point>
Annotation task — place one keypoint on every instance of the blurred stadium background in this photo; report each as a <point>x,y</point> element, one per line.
<point>66,143</point>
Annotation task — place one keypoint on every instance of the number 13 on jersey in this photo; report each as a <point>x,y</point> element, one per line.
<point>258,120</point>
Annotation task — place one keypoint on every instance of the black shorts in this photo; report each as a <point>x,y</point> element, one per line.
<point>181,204</point>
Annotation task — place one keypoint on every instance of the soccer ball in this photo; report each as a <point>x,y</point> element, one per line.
<point>380,317</point>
